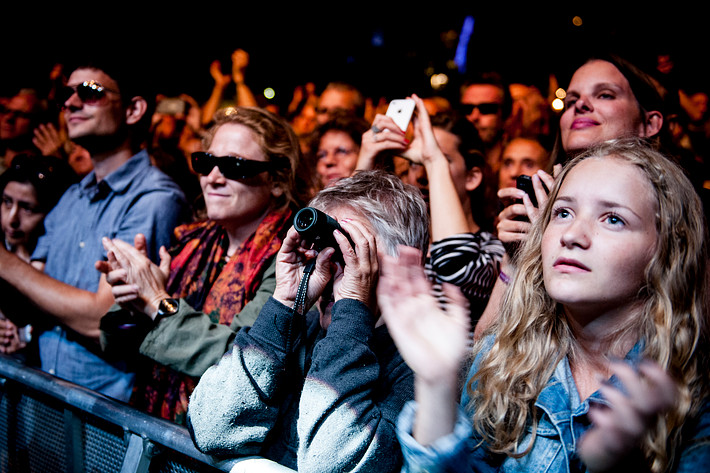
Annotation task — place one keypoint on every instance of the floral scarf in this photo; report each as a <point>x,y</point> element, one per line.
<point>200,274</point>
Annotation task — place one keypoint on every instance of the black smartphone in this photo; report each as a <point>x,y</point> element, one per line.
<point>524,182</point>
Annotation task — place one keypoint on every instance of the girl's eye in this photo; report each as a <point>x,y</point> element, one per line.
<point>615,219</point>
<point>560,212</point>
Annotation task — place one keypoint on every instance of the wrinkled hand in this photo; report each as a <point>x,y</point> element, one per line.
<point>136,282</point>
<point>48,139</point>
<point>618,430</point>
<point>358,278</point>
<point>290,264</point>
<point>432,342</point>
<point>10,341</point>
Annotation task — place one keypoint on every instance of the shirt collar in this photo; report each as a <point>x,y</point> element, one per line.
<point>119,180</point>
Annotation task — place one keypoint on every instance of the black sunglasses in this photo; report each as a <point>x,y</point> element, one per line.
<point>484,108</point>
<point>89,92</point>
<point>231,167</point>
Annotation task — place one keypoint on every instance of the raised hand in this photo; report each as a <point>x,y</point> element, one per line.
<point>357,279</point>
<point>618,430</point>
<point>432,341</point>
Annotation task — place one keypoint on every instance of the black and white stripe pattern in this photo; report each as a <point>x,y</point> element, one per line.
<point>470,261</point>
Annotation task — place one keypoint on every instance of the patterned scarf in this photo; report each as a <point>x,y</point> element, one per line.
<point>199,274</point>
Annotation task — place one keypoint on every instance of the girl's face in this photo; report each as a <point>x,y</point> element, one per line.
<point>599,106</point>
<point>21,217</point>
<point>600,238</point>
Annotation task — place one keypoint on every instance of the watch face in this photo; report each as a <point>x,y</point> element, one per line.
<point>168,306</point>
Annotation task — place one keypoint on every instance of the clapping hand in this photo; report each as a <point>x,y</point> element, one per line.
<point>618,430</point>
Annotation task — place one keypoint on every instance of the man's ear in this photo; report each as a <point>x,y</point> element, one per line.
<point>474,177</point>
<point>654,123</point>
<point>135,110</point>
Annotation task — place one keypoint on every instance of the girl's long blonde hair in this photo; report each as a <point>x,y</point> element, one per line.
<point>532,333</point>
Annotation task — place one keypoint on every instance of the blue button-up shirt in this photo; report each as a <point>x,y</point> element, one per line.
<point>561,425</point>
<point>135,198</point>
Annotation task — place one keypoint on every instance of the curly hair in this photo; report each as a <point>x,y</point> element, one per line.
<point>533,334</point>
<point>276,139</point>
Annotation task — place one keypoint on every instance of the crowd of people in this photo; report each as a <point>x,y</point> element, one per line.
<point>456,321</point>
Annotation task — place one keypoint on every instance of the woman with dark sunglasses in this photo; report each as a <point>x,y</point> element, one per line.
<point>30,188</point>
<point>222,265</point>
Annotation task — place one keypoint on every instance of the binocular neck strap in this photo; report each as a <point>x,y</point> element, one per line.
<point>300,302</point>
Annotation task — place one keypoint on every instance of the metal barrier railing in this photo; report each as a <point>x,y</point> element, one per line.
<point>50,425</point>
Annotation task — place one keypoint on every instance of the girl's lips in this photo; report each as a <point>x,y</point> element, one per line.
<point>570,264</point>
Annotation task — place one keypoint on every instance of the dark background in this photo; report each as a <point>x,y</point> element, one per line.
<point>384,49</point>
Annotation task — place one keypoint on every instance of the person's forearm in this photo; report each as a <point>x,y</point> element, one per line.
<point>447,214</point>
<point>212,104</point>
<point>76,308</point>
<point>245,98</point>
<point>437,409</point>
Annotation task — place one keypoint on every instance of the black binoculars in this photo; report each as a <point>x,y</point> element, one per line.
<point>316,227</point>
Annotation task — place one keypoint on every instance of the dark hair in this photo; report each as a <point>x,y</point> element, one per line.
<point>133,80</point>
<point>50,177</point>
<point>348,123</point>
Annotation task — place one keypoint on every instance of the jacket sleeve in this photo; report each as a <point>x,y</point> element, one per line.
<point>189,342</point>
<point>237,401</point>
<point>355,388</point>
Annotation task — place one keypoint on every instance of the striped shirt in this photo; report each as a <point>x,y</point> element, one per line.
<point>470,261</point>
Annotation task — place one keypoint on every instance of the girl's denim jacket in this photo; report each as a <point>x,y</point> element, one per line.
<point>562,422</point>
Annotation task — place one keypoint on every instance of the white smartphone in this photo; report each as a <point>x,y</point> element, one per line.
<point>401,110</point>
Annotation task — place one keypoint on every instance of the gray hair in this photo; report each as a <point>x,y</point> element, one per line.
<point>396,210</point>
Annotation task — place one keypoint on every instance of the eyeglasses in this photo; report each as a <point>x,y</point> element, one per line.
<point>485,108</point>
<point>231,167</point>
<point>338,152</point>
<point>89,92</point>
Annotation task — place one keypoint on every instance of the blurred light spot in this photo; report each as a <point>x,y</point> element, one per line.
<point>560,93</point>
<point>577,21</point>
<point>439,80</point>
<point>269,93</point>
<point>378,39</point>
<point>558,105</point>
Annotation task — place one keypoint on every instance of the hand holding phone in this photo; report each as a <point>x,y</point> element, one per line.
<point>401,110</point>
<point>524,182</point>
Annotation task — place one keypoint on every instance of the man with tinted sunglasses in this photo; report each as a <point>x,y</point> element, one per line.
<point>485,100</point>
<point>106,112</point>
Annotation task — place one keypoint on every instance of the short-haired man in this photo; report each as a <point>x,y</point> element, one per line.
<point>485,100</point>
<point>124,195</point>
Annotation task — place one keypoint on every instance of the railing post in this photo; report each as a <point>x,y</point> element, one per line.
<point>139,454</point>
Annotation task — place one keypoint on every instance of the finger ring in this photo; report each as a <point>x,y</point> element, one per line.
<point>376,129</point>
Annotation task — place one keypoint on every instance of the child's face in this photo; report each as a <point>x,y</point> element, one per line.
<point>600,238</point>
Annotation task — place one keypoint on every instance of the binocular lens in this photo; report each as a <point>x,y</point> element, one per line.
<point>304,218</point>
